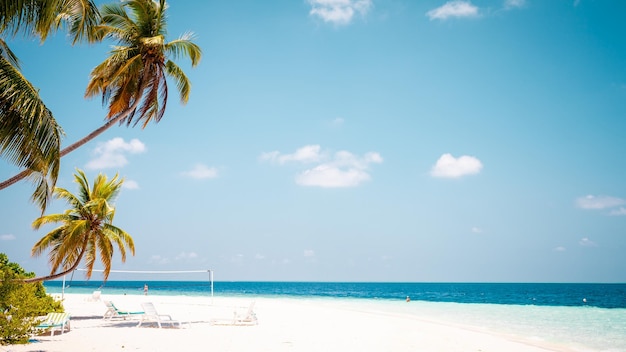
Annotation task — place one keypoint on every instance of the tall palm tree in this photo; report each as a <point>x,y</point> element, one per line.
<point>29,134</point>
<point>132,80</point>
<point>86,229</point>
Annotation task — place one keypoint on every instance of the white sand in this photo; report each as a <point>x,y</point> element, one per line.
<point>284,325</point>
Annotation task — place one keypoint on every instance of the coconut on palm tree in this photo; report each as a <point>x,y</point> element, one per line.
<point>86,231</point>
<point>29,135</point>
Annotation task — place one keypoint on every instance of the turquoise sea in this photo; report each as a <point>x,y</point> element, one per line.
<point>583,317</point>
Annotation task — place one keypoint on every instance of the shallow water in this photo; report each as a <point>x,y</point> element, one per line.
<point>543,314</point>
<point>579,328</point>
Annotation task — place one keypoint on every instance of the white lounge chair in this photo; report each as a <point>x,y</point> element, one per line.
<point>150,314</point>
<point>55,322</point>
<point>95,296</point>
<point>246,318</point>
<point>113,312</point>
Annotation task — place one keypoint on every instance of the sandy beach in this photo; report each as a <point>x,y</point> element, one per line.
<point>284,324</point>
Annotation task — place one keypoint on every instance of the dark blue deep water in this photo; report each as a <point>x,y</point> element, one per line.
<point>539,294</point>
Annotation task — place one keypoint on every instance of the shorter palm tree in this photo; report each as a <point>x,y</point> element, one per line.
<point>86,229</point>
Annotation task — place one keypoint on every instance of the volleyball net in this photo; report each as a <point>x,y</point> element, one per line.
<point>158,279</point>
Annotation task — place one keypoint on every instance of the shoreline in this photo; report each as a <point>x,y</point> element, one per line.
<point>284,324</point>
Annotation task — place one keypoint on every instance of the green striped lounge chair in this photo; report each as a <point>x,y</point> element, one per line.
<point>55,322</point>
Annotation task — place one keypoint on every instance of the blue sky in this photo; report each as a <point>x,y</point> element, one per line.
<point>363,140</point>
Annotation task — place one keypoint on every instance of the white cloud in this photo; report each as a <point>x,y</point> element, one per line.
<point>159,259</point>
<point>7,237</point>
<point>309,256</point>
<point>187,256</point>
<point>476,230</point>
<point>327,176</point>
<point>339,12</point>
<point>453,9</point>
<point>560,249</point>
<point>112,153</point>
<point>259,256</point>
<point>237,259</point>
<point>586,242</point>
<point>306,154</point>
<point>201,171</point>
<point>599,202</point>
<point>130,184</point>
<point>618,212</point>
<point>342,169</point>
<point>450,167</point>
<point>511,4</point>
<point>338,122</point>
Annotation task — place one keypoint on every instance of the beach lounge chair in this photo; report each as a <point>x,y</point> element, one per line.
<point>239,318</point>
<point>151,315</point>
<point>95,296</point>
<point>55,322</point>
<point>113,312</point>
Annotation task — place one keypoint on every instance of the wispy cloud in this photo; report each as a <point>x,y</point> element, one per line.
<point>338,122</point>
<point>157,259</point>
<point>112,153</point>
<point>560,249</point>
<point>339,12</point>
<point>306,154</point>
<point>130,184</point>
<point>586,242</point>
<point>618,212</point>
<point>187,256</point>
<point>451,9</point>
<point>599,202</point>
<point>341,169</point>
<point>450,167</point>
<point>476,229</point>
<point>7,237</point>
<point>201,171</point>
<point>309,256</point>
<point>513,4</point>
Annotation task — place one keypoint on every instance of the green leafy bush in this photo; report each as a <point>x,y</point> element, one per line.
<point>21,303</point>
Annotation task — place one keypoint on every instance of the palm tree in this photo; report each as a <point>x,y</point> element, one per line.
<point>29,134</point>
<point>43,17</point>
<point>86,229</point>
<point>132,80</point>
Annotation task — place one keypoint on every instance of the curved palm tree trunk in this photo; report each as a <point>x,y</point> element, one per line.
<point>58,275</point>
<point>24,173</point>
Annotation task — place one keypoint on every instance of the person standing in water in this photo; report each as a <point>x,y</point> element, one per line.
<point>145,289</point>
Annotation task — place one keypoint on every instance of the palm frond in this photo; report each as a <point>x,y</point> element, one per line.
<point>29,135</point>
<point>182,82</point>
<point>8,54</point>
<point>81,17</point>
<point>46,241</point>
<point>184,47</point>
